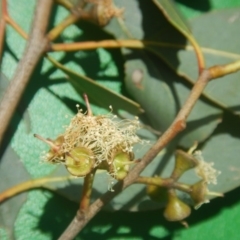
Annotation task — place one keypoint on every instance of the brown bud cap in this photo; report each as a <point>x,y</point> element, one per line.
<point>198,194</point>
<point>101,12</point>
<point>183,162</point>
<point>98,12</point>
<point>80,161</point>
<point>176,210</point>
<point>55,154</point>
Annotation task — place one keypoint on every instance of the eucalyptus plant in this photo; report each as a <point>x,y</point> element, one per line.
<point>168,133</point>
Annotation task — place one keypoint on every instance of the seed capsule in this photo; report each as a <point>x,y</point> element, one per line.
<point>120,165</point>
<point>183,162</point>
<point>199,193</point>
<point>176,210</point>
<point>80,161</point>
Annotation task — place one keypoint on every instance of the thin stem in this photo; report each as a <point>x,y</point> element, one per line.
<point>182,187</point>
<point>25,186</point>
<point>134,43</point>
<point>2,34</point>
<point>17,28</point>
<point>164,182</point>
<point>97,44</point>
<point>56,31</point>
<point>89,110</point>
<point>34,50</point>
<point>47,141</point>
<point>198,51</point>
<point>128,43</point>
<point>86,192</point>
<point>157,181</point>
<point>177,126</point>
<point>2,24</point>
<point>222,70</point>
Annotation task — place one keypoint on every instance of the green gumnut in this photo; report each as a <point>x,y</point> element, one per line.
<point>176,210</point>
<point>80,161</point>
<point>183,162</point>
<point>120,165</point>
<point>198,193</point>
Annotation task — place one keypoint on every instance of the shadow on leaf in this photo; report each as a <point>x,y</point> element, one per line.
<point>59,212</point>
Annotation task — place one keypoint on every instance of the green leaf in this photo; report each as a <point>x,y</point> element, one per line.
<point>174,17</point>
<point>168,32</point>
<point>227,89</point>
<point>162,93</point>
<point>218,48</point>
<point>136,25</point>
<point>12,172</point>
<point>161,98</point>
<point>170,11</point>
<point>99,94</point>
<point>144,84</point>
<point>202,121</point>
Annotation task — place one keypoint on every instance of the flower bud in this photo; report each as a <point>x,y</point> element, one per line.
<point>176,210</point>
<point>55,154</point>
<point>80,161</point>
<point>183,162</point>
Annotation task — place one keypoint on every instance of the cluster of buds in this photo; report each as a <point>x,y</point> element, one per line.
<point>165,189</point>
<point>91,142</point>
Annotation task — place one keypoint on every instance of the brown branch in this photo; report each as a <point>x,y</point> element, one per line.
<point>179,124</point>
<point>34,50</point>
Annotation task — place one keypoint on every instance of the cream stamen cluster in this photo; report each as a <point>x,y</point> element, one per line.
<point>102,134</point>
<point>205,170</point>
